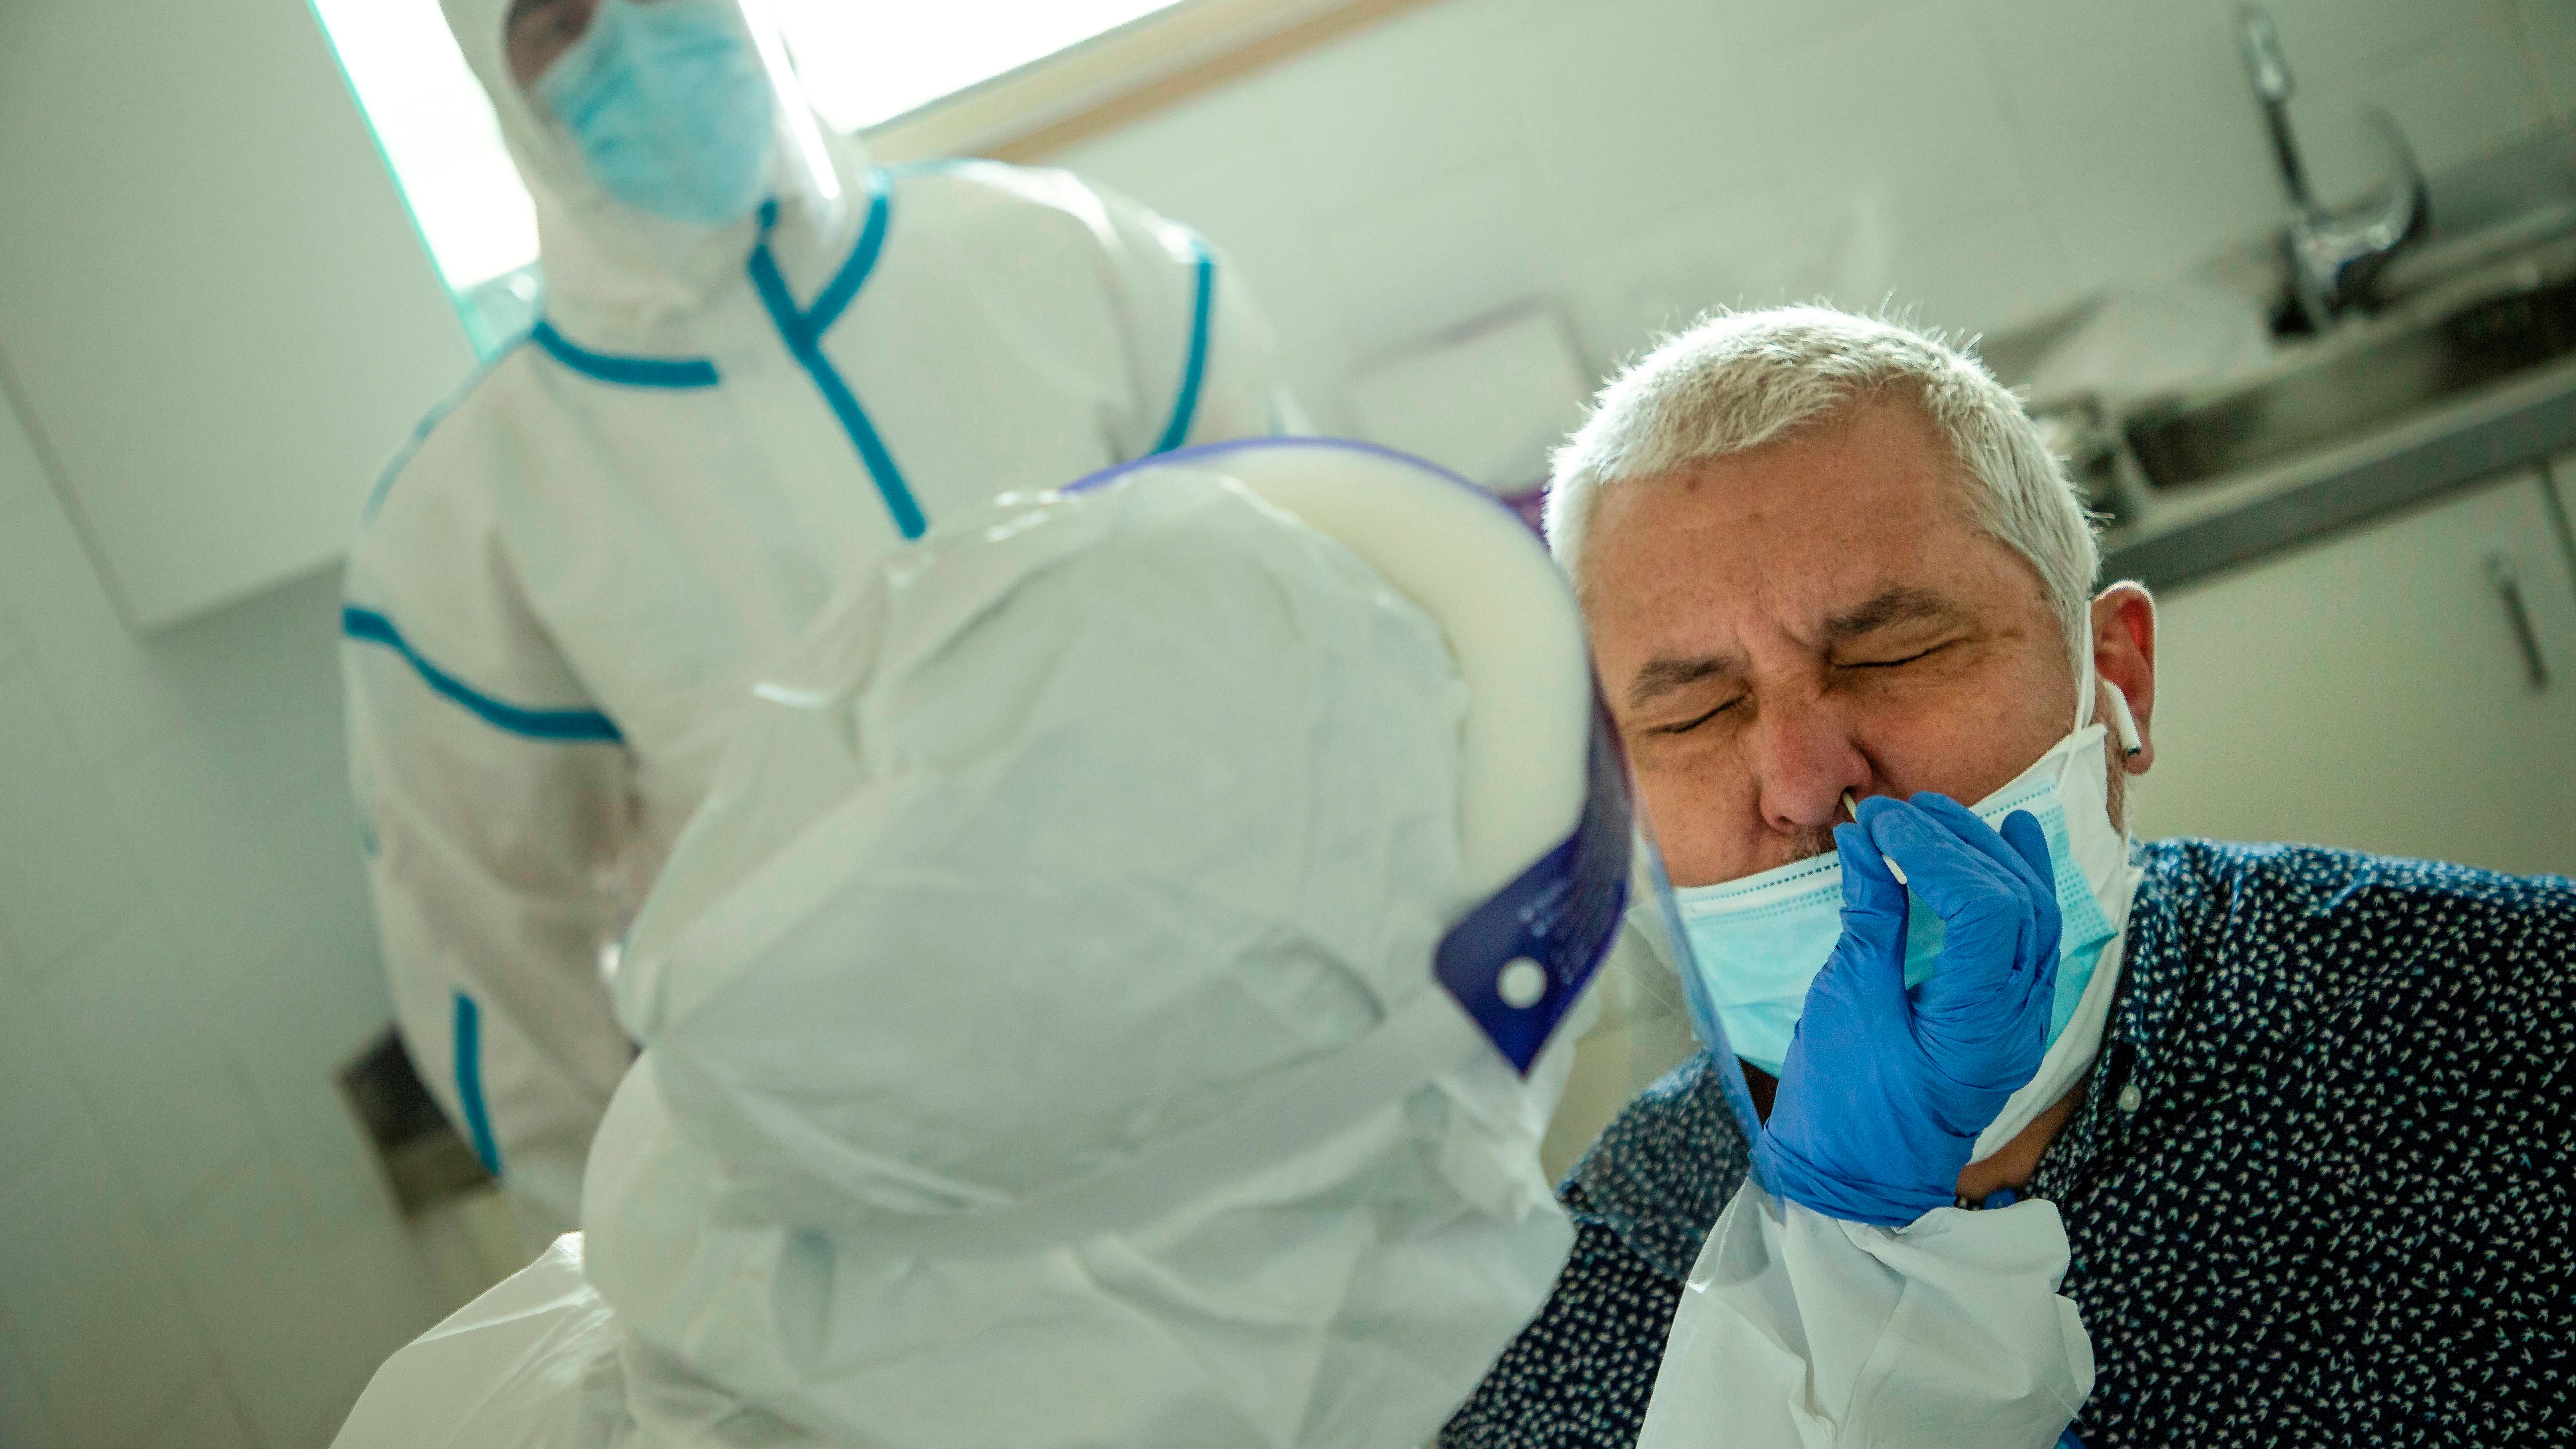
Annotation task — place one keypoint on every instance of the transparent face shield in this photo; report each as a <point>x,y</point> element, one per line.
<point>1520,961</point>
<point>1658,918</point>
<point>686,111</point>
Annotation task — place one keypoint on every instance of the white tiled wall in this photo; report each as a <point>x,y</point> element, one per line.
<point>194,1247</point>
<point>1983,161</point>
<point>194,1250</point>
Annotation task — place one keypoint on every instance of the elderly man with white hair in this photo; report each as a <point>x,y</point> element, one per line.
<point>2302,1113</point>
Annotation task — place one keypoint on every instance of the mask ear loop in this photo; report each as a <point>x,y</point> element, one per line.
<point>2086,678</point>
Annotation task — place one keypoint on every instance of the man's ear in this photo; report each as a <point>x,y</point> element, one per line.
<point>2124,654</point>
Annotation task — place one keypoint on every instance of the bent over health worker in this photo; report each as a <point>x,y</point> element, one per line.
<point>764,363</point>
<point>1114,994</point>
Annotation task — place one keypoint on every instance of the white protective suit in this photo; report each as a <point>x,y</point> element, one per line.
<point>1042,1039</point>
<point>1040,1049</point>
<point>564,588</point>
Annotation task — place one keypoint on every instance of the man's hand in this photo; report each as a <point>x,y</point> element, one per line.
<point>1885,1090</point>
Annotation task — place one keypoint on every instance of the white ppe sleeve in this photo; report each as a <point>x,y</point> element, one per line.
<point>532,1364</point>
<point>1204,354</point>
<point>495,802</point>
<point>1796,1329</point>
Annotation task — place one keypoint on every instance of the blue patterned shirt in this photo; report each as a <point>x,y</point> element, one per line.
<point>2339,1206</point>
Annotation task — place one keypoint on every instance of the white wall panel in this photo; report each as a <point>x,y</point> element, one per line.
<point>207,1419</point>
<point>213,305</point>
<point>1984,160</point>
<point>176,1114</point>
<point>24,1423</point>
<point>2549,39</point>
<point>1442,255</point>
<point>64,616</point>
<point>38,1106</point>
<point>65,878</point>
<point>106,1338</point>
<point>186,959</point>
<point>1633,111</point>
<point>252,1259</point>
<point>1371,117</point>
<point>2145,144</point>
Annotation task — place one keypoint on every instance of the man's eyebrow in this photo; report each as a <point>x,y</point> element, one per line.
<point>1898,605</point>
<point>1662,676</point>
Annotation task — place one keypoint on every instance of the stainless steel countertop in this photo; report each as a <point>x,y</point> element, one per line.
<point>2227,522</point>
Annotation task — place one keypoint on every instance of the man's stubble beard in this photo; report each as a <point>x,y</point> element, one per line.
<point>1808,844</point>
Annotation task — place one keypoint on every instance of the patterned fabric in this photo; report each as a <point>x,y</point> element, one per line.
<point>2338,1207</point>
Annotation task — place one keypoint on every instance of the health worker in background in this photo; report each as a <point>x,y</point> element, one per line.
<point>763,363</point>
<point>2300,1114</point>
<point>1114,996</point>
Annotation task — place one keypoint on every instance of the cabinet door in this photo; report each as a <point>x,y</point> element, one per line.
<point>213,307</point>
<point>2376,692</point>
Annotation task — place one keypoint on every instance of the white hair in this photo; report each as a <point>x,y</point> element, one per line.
<point>1738,380</point>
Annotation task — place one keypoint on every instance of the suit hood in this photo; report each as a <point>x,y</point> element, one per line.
<point>614,275</point>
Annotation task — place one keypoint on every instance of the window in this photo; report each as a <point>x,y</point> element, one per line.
<point>863,64</point>
<point>867,64</point>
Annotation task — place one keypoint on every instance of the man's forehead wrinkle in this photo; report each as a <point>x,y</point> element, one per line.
<point>1895,604</point>
<point>1761,563</point>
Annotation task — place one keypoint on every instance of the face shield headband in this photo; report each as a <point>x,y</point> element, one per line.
<point>1519,962</point>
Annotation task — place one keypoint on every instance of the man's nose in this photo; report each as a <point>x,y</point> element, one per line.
<point>1805,758</point>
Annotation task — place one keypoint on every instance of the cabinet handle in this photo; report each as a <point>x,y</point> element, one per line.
<point>2508,587</point>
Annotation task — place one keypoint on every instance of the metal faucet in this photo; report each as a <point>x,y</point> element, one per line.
<point>2332,254</point>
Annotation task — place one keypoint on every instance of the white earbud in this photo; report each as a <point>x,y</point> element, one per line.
<point>2124,725</point>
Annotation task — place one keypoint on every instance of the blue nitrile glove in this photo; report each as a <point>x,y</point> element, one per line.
<point>1885,1089</point>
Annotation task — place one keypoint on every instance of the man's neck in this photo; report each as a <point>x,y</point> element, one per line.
<point>2012,1166</point>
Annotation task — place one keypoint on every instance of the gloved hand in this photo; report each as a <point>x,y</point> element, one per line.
<point>1885,1090</point>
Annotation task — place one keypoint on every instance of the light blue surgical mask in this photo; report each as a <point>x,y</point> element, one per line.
<point>1757,943</point>
<point>670,107</point>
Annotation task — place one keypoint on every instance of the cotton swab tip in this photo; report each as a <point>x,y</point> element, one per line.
<point>1852,807</point>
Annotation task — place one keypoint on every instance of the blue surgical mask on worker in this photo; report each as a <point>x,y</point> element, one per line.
<point>1757,943</point>
<point>670,108</point>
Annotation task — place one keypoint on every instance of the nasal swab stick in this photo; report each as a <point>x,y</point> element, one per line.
<point>1893,868</point>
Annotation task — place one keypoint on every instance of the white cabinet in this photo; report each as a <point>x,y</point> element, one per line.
<point>214,311</point>
<point>2375,691</point>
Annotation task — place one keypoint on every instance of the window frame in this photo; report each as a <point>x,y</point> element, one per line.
<point>1053,103</point>
<point>1030,114</point>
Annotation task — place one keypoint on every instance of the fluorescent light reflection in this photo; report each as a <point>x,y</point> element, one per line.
<point>864,64</point>
<point>861,63</point>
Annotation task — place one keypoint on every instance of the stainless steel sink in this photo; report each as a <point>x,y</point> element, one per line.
<point>2348,389</point>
